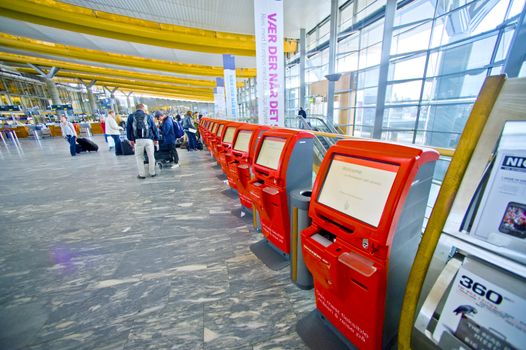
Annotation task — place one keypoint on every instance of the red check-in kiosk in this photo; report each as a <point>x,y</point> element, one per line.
<point>211,129</point>
<point>283,163</point>
<point>239,160</point>
<point>367,209</point>
<point>224,148</point>
<point>215,139</point>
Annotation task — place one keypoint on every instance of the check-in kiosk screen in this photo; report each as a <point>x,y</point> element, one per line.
<point>220,130</point>
<point>243,141</point>
<point>270,152</point>
<point>229,134</point>
<point>358,187</point>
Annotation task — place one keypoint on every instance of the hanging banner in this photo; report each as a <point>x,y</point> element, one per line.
<point>268,19</point>
<point>229,66</point>
<point>219,99</point>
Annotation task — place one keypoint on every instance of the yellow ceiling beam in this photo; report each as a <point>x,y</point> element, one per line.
<point>84,20</point>
<point>110,72</point>
<point>10,57</point>
<point>143,87</point>
<point>45,47</point>
<point>106,79</point>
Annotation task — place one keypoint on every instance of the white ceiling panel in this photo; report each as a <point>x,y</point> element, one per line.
<point>235,16</point>
<point>87,41</point>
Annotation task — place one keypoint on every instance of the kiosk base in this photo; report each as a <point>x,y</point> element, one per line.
<point>230,193</point>
<point>244,214</point>
<point>318,334</point>
<point>221,177</point>
<point>269,256</point>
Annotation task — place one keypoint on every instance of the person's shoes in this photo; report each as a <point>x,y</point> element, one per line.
<point>176,165</point>
<point>141,177</point>
<point>154,175</point>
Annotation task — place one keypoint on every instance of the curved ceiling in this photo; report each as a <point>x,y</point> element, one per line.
<point>236,16</point>
<point>222,16</point>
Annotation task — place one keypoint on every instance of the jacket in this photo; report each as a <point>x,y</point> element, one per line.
<point>153,132</point>
<point>111,127</point>
<point>167,130</point>
<point>68,129</point>
<point>188,123</point>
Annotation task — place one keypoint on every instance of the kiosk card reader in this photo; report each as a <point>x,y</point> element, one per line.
<point>283,163</point>
<point>367,209</point>
<point>239,161</point>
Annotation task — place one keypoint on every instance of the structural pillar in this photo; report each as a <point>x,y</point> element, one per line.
<point>129,100</point>
<point>333,43</point>
<point>303,44</point>
<point>390,9</point>
<point>48,80</point>
<point>517,53</point>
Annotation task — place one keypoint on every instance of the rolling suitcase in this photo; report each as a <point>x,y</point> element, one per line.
<point>127,149</point>
<point>87,145</point>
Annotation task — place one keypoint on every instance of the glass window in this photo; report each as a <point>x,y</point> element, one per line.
<point>416,11</point>
<point>504,44</point>
<point>516,8</point>
<point>404,92</point>
<point>443,124</point>
<point>366,97</point>
<point>370,56</point>
<point>409,39</point>
<point>458,86</point>
<point>368,78</point>
<point>407,68</point>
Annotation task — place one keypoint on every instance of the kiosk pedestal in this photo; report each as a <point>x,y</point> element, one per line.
<point>283,163</point>
<point>369,201</point>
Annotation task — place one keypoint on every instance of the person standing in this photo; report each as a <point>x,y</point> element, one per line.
<point>113,130</point>
<point>143,135</point>
<point>189,129</point>
<point>69,133</point>
<point>169,137</point>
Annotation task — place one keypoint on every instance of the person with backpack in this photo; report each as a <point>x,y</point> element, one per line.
<point>189,129</point>
<point>170,131</point>
<point>144,136</point>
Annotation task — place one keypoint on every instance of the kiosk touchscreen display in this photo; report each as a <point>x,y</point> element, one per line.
<point>270,152</point>
<point>358,188</point>
<point>243,141</point>
<point>229,134</point>
<point>218,133</point>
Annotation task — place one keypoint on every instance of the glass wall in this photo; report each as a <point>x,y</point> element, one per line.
<point>440,54</point>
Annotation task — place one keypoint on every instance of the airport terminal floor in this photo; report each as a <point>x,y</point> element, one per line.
<point>93,258</point>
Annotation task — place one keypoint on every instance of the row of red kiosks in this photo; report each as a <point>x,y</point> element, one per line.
<point>367,210</point>
<point>264,165</point>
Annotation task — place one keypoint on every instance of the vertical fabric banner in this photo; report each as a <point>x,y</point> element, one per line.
<point>219,99</point>
<point>268,19</point>
<point>229,66</point>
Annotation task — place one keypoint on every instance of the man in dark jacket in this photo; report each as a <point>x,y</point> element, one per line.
<point>169,138</point>
<point>143,135</point>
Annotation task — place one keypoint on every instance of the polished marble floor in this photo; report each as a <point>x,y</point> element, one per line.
<point>93,258</point>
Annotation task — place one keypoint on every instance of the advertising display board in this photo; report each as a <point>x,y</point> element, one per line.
<point>485,309</point>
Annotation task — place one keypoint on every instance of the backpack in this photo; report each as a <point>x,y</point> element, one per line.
<point>140,125</point>
<point>178,130</point>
